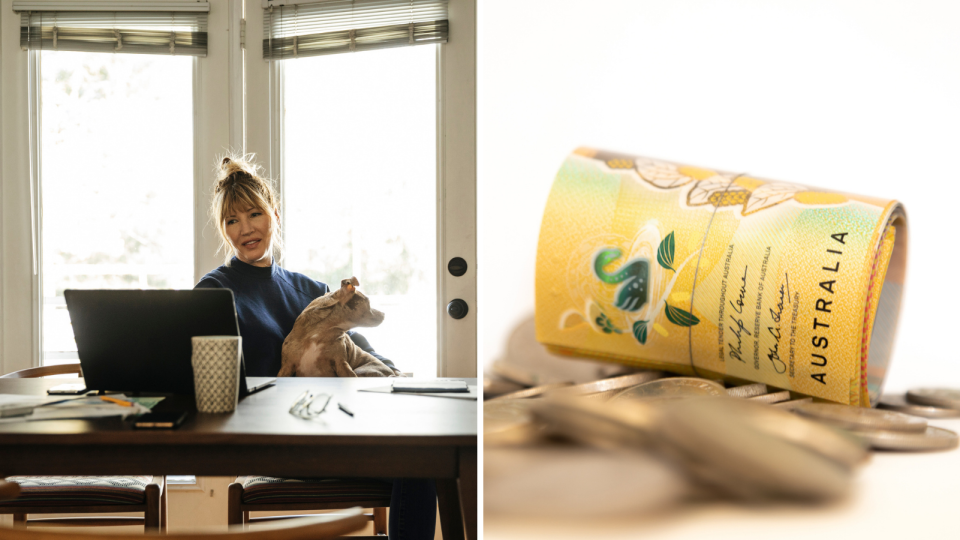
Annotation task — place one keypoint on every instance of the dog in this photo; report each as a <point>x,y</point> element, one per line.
<point>318,345</point>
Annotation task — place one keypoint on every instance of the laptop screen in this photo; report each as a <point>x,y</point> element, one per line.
<point>139,341</point>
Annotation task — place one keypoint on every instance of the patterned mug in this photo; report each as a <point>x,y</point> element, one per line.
<point>216,372</point>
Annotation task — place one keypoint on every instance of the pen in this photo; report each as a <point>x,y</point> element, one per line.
<point>117,401</point>
<point>344,408</point>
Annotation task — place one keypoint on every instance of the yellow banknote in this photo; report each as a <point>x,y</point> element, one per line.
<point>719,274</point>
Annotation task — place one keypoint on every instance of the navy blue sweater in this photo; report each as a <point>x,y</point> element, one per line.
<point>269,300</point>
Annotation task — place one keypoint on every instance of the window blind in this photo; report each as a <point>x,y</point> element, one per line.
<point>171,28</point>
<point>338,26</point>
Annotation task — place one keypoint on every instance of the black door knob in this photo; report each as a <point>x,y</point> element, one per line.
<point>457,266</point>
<point>457,308</point>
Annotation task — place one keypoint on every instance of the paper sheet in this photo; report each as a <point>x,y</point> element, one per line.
<point>89,407</point>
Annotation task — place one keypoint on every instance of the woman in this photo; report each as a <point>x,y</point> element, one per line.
<point>269,299</point>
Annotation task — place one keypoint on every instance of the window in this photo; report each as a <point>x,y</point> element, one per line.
<point>116,179</point>
<point>359,187</point>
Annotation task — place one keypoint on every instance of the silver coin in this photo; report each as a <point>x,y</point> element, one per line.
<point>899,403</point>
<point>946,398</point>
<point>608,385</point>
<point>933,438</point>
<point>564,481</point>
<point>773,397</point>
<point>733,456</point>
<point>536,391</point>
<point>792,404</point>
<point>501,415</point>
<point>747,390</point>
<point>495,386</point>
<point>514,374</point>
<point>674,387</point>
<point>862,418</point>
<point>594,423</point>
<point>829,442</point>
<point>531,363</point>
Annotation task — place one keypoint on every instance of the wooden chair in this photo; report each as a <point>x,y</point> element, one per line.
<point>309,528</point>
<point>270,494</point>
<point>85,494</point>
<point>45,371</point>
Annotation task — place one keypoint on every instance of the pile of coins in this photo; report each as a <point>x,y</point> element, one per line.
<point>642,440</point>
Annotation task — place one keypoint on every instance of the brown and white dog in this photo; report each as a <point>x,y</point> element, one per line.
<point>318,345</point>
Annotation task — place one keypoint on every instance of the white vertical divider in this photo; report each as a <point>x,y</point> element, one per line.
<point>457,189</point>
<point>235,53</point>
<point>19,295</point>
<point>257,87</point>
<point>263,104</point>
<point>214,129</point>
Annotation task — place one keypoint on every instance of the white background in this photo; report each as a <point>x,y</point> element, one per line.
<point>857,96</point>
<point>854,96</point>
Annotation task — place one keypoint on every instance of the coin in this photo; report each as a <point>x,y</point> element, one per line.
<point>773,397</point>
<point>526,434</point>
<point>933,438</point>
<point>946,398</point>
<point>899,403</point>
<point>792,404</point>
<point>734,456</point>
<point>823,439</point>
<point>495,386</point>
<point>747,390</point>
<point>514,374</point>
<point>671,388</point>
<point>594,423</point>
<point>532,392</point>
<point>564,481</point>
<point>533,364</point>
<point>501,415</point>
<point>861,418</point>
<point>615,383</point>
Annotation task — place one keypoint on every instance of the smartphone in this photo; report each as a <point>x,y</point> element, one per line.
<point>162,420</point>
<point>67,389</point>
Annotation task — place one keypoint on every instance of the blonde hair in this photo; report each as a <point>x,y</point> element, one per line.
<point>239,185</point>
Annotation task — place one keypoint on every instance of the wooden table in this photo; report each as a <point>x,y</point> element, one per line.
<point>390,436</point>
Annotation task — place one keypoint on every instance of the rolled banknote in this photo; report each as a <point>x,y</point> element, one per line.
<point>720,275</point>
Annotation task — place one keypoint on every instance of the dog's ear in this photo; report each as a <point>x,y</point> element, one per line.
<point>348,287</point>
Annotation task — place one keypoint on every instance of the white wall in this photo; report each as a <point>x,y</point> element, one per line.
<point>857,96</point>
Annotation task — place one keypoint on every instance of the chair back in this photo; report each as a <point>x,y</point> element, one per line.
<point>44,371</point>
<point>9,490</point>
<point>319,527</point>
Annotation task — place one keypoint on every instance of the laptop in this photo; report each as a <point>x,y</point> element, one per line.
<point>139,341</point>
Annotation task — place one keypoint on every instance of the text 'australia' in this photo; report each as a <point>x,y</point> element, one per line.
<point>821,318</point>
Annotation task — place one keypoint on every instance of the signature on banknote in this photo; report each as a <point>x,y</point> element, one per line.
<point>773,353</point>
<point>736,351</point>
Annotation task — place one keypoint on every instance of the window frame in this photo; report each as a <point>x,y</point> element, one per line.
<point>21,343</point>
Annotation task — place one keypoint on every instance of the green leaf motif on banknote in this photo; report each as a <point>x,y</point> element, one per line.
<point>632,277</point>
<point>680,317</point>
<point>665,252</point>
<point>606,325</point>
<point>640,331</point>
